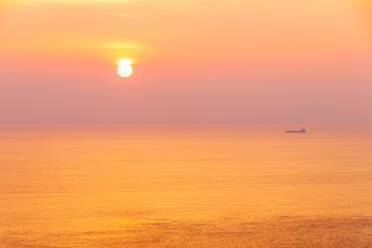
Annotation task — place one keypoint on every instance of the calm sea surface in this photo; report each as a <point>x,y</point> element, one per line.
<point>185,186</point>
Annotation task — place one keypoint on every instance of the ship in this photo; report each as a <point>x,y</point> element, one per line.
<point>296,131</point>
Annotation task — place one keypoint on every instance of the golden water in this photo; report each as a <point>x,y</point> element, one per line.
<point>185,186</point>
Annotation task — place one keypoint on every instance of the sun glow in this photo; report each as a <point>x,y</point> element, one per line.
<point>125,68</point>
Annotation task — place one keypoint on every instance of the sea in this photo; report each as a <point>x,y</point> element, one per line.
<point>160,186</point>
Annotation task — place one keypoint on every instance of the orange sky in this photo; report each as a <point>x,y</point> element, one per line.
<point>189,42</point>
<point>177,30</point>
<point>365,8</point>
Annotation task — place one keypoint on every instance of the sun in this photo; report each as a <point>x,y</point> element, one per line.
<point>125,68</point>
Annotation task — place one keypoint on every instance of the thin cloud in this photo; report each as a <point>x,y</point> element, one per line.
<point>125,45</point>
<point>65,1</point>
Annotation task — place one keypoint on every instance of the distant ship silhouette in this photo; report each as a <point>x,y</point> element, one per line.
<point>296,131</point>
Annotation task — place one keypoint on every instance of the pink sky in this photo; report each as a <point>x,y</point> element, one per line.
<point>283,61</point>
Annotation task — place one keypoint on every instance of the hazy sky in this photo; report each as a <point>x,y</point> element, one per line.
<point>250,61</point>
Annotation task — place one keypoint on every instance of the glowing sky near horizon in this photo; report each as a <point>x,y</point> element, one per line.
<point>196,61</point>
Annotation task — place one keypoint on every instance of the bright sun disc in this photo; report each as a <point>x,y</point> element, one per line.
<point>125,68</point>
